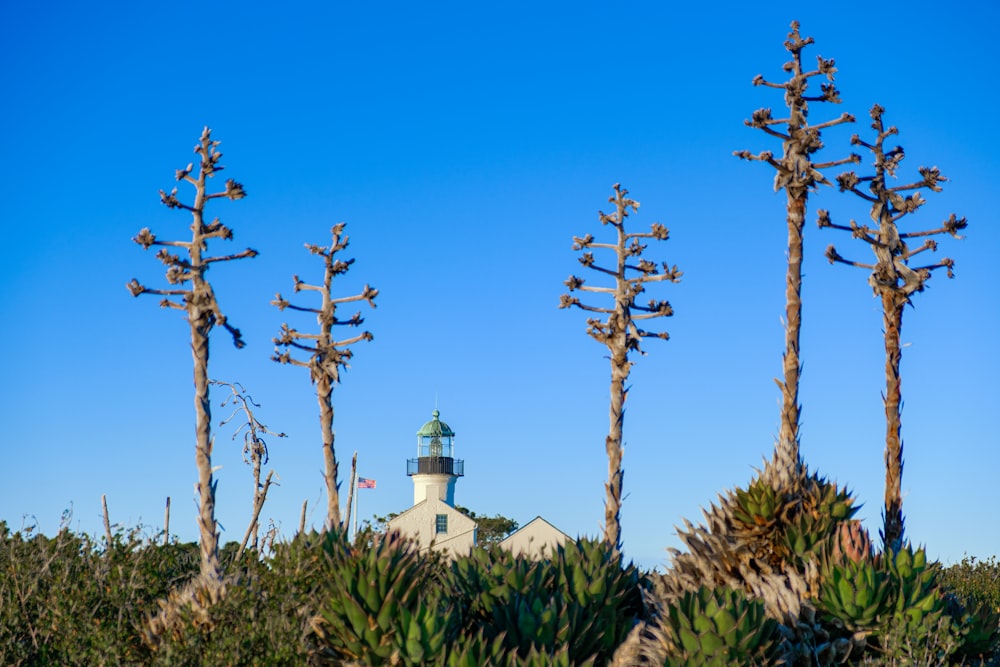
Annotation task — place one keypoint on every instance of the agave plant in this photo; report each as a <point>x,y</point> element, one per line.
<point>593,579</point>
<point>377,611</point>
<point>718,626</point>
<point>920,602</point>
<point>856,594</point>
<point>581,602</point>
<point>852,541</point>
<point>759,507</point>
<point>479,649</point>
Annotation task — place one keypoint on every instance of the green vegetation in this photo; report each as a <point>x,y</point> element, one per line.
<point>490,529</point>
<point>316,599</point>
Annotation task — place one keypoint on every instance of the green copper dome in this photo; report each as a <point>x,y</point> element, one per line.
<point>435,428</point>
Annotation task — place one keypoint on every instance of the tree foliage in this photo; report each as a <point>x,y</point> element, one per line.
<point>490,529</point>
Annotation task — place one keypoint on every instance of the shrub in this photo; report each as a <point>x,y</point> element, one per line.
<point>582,599</point>
<point>66,600</point>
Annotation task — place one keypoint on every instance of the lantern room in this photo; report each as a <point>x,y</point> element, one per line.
<point>435,469</point>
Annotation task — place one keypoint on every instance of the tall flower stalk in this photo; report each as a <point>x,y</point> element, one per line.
<point>797,174</point>
<point>198,302</point>
<point>619,331</point>
<point>327,355</point>
<point>894,281</point>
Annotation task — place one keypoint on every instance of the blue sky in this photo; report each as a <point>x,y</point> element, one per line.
<point>465,144</point>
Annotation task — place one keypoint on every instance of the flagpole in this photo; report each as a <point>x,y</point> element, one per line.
<point>356,499</point>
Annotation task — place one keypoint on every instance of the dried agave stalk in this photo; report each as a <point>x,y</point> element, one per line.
<point>203,313</point>
<point>255,453</point>
<point>797,174</point>
<point>619,332</point>
<point>327,354</point>
<point>894,281</point>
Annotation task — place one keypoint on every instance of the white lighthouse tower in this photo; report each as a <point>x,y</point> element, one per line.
<point>433,520</point>
<point>435,469</point>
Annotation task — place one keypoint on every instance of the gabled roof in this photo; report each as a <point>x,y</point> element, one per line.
<point>534,524</point>
<point>419,522</point>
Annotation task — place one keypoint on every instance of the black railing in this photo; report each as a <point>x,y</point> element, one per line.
<point>435,465</point>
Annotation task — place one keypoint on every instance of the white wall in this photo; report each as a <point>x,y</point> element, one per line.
<point>433,486</point>
<point>420,522</point>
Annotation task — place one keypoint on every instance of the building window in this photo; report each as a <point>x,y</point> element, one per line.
<point>441,524</point>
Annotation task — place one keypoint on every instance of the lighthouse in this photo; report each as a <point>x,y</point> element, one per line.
<point>433,520</point>
<point>435,470</point>
<point>434,523</point>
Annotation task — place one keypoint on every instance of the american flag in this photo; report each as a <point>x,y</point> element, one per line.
<point>364,483</point>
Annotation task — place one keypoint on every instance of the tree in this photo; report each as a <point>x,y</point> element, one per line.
<point>203,313</point>
<point>327,355</point>
<point>894,281</point>
<point>619,331</point>
<point>490,529</point>
<point>798,175</point>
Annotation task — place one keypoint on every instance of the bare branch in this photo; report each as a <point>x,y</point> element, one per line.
<point>834,256</point>
<point>249,252</point>
<point>160,292</point>
<point>951,226</point>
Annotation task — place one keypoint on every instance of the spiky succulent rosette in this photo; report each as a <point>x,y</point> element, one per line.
<point>765,541</point>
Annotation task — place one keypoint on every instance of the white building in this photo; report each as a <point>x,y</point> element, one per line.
<point>433,520</point>
<point>437,525</point>
<point>536,539</point>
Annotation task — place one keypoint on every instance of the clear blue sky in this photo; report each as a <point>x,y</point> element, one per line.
<point>465,144</point>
